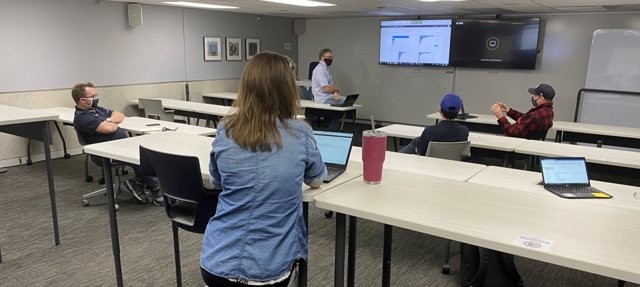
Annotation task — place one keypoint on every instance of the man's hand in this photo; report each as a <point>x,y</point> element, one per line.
<point>497,110</point>
<point>503,107</point>
<point>335,96</point>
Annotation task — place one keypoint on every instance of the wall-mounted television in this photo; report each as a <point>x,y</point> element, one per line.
<point>503,43</point>
<point>415,42</point>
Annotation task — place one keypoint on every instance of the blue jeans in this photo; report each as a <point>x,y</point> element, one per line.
<point>151,182</point>
<point>411,147</point>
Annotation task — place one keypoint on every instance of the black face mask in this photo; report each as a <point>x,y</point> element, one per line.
<point>534,102</point>
<point>328,61</point>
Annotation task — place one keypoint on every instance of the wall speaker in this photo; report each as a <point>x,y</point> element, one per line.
<point>134,11</point>
<point>298,26</point>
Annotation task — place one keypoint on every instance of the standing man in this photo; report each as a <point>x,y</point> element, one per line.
<point>536,122</point>
<point>322,86</point>
<point>97,124</point>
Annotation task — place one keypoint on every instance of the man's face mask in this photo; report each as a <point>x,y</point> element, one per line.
<point>534,102</point>
<point>92,102</point>
<point>328,61</point>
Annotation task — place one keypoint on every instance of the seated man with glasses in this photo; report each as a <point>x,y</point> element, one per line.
<point>97,124</point>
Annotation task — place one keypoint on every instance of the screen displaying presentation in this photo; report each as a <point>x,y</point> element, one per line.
<point>415,42</point>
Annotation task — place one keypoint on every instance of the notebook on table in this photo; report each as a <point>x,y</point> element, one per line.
<point>567,177</point>
<point>348,101</point>
<point>335,149</point>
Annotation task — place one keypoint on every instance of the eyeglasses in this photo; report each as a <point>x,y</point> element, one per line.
<point>95,96</point>
<point>164,129</point>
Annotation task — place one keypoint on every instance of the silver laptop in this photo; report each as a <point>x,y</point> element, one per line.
<point>335,149</point>
<point>567,177</point>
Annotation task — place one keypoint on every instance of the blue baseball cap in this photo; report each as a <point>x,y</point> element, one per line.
<point>451,103</point>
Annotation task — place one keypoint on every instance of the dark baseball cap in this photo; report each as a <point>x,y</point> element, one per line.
<point>543,90</point>
<point>451,103</point>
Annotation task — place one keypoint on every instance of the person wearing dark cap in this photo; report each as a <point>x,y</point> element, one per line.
<point>446,130</point>
<point>536,122</point>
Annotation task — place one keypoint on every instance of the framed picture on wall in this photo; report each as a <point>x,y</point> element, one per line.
<point>212,49</point>
<point>234,49</point>
<point>253,47</point>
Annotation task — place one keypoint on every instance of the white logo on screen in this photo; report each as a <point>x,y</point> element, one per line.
<point>493,43</point>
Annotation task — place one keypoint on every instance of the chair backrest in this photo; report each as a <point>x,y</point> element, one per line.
<point>83,142</point>
<point>153,109</point>
<point>312,66</point>
<point>305,93</point>
<point>187,203</point>
<point>538,135</point>
<point>449,150</point>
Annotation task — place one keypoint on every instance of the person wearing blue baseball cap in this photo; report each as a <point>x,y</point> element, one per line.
<point>446,130</point>
<point>533,124</point>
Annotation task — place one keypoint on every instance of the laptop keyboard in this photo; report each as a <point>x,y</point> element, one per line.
<point>566,189</point>
<point>332,170</point>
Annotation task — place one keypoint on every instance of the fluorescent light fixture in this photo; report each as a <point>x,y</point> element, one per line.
<point>199,5</point>
<point>442,0</point>
<point>304,3</point>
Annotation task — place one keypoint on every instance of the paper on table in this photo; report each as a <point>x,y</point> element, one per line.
<point>533,243</point>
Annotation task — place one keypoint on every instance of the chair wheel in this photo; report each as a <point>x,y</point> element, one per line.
<point>67,156</point>
<point>117,207</point>
<point>328,214</point>
<point>29,162</point>
<point>88,179</point>
<point>85,203</point>
<point>445,268</point>
<point>101,181</point>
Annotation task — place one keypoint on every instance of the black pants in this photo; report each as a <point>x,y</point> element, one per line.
<point>217,281</point>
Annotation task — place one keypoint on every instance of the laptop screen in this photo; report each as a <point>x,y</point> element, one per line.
<point>334,147</point>
<point>564,171</point>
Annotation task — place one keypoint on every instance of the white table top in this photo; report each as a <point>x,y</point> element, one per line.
<point>304,83</point>
<point>478,140</point>
<point>303,103</point>
<point>15,115</point>
<point>65,114</point>
<point>141,125</point>
<point>127,150</point>
<point>598,239</point>
<point>596,129</point>
<point>481,119</point>
<point>429,166</point>
<point>606,156</point>
<point>527,181</point>
<point>222,95</point>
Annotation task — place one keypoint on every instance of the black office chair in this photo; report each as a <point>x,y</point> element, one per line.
<point>187,203</point>
<point>312,66</point>
<point>119,170</point>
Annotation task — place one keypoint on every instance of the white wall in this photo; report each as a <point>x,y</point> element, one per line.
<point>406,94</point>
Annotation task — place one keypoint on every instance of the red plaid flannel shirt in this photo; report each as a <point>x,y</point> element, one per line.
<point>535,121</point>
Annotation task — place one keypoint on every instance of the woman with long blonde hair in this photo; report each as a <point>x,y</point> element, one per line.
<point>260,158</point>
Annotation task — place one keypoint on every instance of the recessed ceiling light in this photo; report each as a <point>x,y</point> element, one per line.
<point>304,3</point>
<point>199,5</point>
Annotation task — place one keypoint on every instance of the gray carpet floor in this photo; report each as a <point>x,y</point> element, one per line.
<point>84,257</point>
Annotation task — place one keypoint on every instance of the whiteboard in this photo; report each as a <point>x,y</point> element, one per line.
<point>614,60</point>
<point>614,65</point>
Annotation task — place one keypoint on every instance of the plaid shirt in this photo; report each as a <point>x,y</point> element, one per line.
<point>531,125</point>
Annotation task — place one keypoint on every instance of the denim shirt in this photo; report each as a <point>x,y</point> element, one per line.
<point>258,231</point>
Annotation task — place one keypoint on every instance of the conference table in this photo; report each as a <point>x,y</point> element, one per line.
<point>33,125</point>
<point>418,166</point>
<point>564,130</point>
<point>311,108</point>
<point>600,239</point>
<point>176,142</point>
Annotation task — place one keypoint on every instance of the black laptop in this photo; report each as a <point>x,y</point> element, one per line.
<point>567,177</point>
<point>349,101</point>
<point>462,115</point>
<point>335,149</point>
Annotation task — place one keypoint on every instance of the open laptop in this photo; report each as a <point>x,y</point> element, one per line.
<point>567,177</point>
<point>335,149</point>
<point>349,101</point>
<point>462,115</point>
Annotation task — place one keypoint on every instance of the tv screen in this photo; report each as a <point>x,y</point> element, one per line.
<point>495,43</point>
<point>415,42</point>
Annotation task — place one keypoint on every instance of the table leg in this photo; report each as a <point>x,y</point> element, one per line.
<point>113,223</point>
<point>64,142</point>
<point>386,256</point>
<point>558,136</point>
<point>395,143</point>
<point>46,134</point>
<point>353,116</point>
<point>303,267</point>
<point>351,256</point>
<point>338,278</point>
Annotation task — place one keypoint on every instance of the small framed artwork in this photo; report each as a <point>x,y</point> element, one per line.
<point>253,47</point>
<point>212,49</point>
<point>234,49</point>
